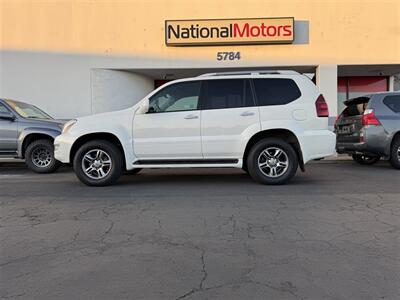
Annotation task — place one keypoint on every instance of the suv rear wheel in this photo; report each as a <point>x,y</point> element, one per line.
<point>39,157</point>
<point>363,159</point>
<point>395,153</point>
<point>272,161</point>
<point>98,163</point>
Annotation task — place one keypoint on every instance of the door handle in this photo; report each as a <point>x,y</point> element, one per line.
<point>247,113</point>
<point>191,116</point>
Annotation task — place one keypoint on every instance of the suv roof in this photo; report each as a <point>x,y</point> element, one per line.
<point>251,72</point>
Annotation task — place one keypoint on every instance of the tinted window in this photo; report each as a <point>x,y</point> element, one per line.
<point>393,102</point>
<point>275,91</point>
<point>177,97</point>
<point>227,93</point>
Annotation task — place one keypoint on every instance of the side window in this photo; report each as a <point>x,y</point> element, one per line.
<point>275,91</point>
<point>177,97</point>
<point>227,93</point>
<point>393,102</point>
<point>3,108</point>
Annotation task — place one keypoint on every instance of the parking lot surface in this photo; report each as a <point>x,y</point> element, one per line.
<point>332,233</point>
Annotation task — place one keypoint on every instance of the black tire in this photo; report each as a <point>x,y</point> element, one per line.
<point>365,159</point>
<point>256,154</point>
<point>134,171</point>
<point>395,154</point>
<point>109,152</point>
<point>39,157</point>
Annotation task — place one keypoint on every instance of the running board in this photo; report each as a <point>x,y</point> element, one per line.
<point>186,161</point>
<point>191,163</point>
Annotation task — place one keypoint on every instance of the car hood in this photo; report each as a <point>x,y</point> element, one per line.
<point>107,122</point>
<point>57,124</point>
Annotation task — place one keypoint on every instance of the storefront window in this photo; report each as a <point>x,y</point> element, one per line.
<point>351,87</point>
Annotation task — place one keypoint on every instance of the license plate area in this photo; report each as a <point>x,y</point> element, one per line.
<point>346,129</point>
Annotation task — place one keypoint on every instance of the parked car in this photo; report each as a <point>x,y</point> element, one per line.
<point>369,128</point>
<point>28,132</point>
<point>267,123</point>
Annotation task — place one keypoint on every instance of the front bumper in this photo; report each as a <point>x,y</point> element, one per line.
<point>62,148</point>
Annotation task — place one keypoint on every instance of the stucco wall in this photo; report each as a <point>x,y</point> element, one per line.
<point>115,90</point>
<point>341,31</point>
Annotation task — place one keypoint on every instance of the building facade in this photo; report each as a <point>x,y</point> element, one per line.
<point>75,58</point>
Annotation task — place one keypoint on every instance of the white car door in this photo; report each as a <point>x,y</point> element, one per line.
<point>171,128</point>
<point>229,117</point>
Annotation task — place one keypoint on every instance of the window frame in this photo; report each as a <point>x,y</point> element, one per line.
<point>267,78</point>
<point>2,105</point>
<point>176,83</point>
<point>204,90</point>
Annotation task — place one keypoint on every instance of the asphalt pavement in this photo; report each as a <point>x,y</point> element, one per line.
<point>332,233</point>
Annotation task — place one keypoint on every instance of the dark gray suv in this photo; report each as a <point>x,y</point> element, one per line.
<point>369,128</point>
<point>28,132</point>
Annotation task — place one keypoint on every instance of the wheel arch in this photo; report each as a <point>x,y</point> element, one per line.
<point>105,136</point>
<point>28,137</point>
<point>285,134</point>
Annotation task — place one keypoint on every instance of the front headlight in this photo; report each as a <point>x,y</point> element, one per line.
<point>68,126</point>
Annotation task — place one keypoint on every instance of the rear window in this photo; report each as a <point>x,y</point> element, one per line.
<point>227,93</point>
<point>355,107</point>
<point>276,91</point>
<point>393,102</point>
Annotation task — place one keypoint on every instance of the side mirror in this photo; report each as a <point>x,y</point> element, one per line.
<point>144,107</point>
<point>7,116</point>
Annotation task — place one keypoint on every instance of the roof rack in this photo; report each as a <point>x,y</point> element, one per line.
<point>255,72</point>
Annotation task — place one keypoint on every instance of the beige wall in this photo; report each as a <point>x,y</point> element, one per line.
<point>341,31</point>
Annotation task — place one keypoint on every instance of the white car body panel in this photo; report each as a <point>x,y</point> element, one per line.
<point>224,132</point>
<point>167,135</point>
<point>219,133</point>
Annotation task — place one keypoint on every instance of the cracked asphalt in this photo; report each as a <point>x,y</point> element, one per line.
<point>332,233</point>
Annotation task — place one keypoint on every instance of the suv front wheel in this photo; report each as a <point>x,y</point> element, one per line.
<point>98,163</point>
<point>39,157</point>
<point>272,161</point>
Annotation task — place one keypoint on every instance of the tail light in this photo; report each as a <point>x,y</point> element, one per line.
<point>369,118</point>
<point>322,107</point>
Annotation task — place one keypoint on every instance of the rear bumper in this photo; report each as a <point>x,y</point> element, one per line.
<point>351,148</point>
<point>376,142</point>
<point>317,144</point>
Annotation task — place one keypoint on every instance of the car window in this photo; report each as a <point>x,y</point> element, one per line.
<point>227,93</point>
<point>3,108</point>
<point>27,110</point>
<point>275,91</point>
<point>393,102</point>
<point>177,97</point>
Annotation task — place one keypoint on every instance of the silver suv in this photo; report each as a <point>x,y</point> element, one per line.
<point>28,132</point>
<point>369,128</point>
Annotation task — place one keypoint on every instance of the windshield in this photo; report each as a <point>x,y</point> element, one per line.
<point>28,111</point>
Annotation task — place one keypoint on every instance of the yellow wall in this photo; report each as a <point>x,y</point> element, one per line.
<point>341,31</point>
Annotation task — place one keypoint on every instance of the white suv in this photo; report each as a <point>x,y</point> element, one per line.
<point>266,122</point>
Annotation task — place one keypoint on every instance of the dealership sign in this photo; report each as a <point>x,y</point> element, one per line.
<point>229,31</point>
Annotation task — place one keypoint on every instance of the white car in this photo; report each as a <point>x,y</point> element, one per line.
<point>267,122</point>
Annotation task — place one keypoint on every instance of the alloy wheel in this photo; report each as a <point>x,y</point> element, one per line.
<point>398,154</point>
<point>41,157</point>
<point>273,162</point>
<point>96,164</point>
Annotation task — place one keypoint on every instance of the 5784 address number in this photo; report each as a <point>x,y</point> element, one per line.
<point>228,56</point>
